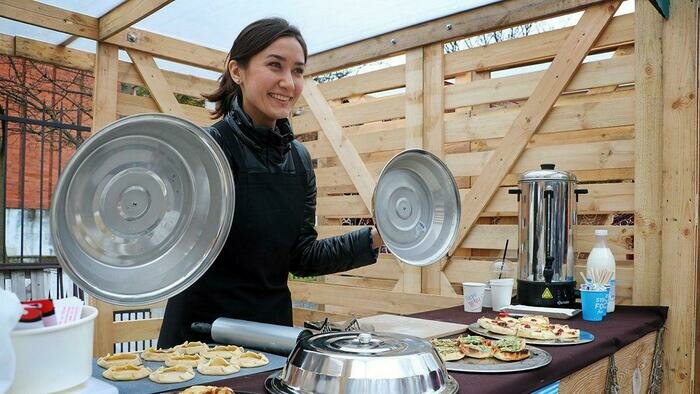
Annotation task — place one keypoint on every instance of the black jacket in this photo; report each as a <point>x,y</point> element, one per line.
<point>267,150</point>
<point>272,234</point>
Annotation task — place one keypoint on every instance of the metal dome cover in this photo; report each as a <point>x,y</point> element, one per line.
<point>417,207</point>
<point>142,209</point>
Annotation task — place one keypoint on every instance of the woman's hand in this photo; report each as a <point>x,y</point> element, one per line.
<point>377,240</point>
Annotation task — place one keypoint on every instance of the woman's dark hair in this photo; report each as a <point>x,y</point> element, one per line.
<point>252,40</point>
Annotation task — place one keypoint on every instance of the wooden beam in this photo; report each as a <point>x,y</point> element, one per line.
<point>533,112</point>
<point>102,342</point>
<point>355,167</point>
<point>68,41</point>
<point>49,17</point>
<point>136,330</point>
<point>537,48</point>
<point>156,83</point>
<point>434,99</point>
<point>648,152</point>
<point>47,53</point>
<point>414,99</point>
<point>605,198</point>
<point>433,278</point>
<point>411,277</point>
<point>126,14</point>
<point>492,236</point>
<point>81,60</point>
<point>104,95</point>
<point>472,22</point>
<point>81,25</point>
<point>7,45</point>
<point>163,47</point>
<point>679,197</point>
<point>372,299</point>
<point>128,104</point>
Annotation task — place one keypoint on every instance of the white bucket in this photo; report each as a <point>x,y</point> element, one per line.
<point>54,358</point>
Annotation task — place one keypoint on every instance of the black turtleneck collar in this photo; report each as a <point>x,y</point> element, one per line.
<point>261,138</point>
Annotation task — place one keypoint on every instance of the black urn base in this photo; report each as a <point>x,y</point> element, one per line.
<point>555,294</point>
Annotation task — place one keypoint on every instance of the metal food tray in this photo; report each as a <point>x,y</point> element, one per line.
<point>538,358</point>
<point>584,338</point>
<point>145,385</point>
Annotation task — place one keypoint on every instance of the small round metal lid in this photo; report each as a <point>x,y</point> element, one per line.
<point>417,207</point>
<point>142,209</point>
<point>547,172</point>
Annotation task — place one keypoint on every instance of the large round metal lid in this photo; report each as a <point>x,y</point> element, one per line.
<point>548,173</point>
<point>142,209</point>
<point>363,362</point>
<point>417,207</point>
<point>366,344</point>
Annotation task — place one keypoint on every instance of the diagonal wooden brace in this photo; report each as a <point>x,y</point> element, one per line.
<point>533,113</point>
<point>352,162</point>
<point>154,79</point>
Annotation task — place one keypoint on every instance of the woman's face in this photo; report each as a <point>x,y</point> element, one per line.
<point>272,81</point>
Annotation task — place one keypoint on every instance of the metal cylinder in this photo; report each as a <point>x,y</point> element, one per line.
<point>534,242</point>
<point>259,336</point>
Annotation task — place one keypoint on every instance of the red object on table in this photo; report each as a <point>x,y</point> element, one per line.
<point>626,325</point>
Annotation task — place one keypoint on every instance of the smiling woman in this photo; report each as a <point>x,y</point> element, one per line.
<point>272,80</point>
<point>272,233</point>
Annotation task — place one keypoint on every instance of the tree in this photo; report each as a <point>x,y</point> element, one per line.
<point>490,38</point>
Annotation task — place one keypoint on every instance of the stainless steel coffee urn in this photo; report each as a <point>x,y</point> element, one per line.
<point>547,213</point>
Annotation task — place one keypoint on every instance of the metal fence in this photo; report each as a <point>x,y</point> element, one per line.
<point>33,153</point>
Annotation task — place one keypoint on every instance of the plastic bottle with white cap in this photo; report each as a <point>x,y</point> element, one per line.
<point>601,258</point>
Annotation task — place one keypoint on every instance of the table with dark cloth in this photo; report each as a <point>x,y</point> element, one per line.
<point>620,328</point>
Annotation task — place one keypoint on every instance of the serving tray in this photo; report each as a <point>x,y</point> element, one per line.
<point>585,337</point>
<point>538,358</point>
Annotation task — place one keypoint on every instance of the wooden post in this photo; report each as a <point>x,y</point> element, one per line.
<point>103,341</point>
<point>411,277</point>
<point>679,196</point>
<point>104,96</point>
<point>648,143</point>
<point>104,111</point>
<point>433,278</point>
<point>414,98</point>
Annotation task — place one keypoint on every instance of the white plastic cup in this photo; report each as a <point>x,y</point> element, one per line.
<point>487,297</point>
<point>501,293</point>
<point>502,269</point>
<point>473,296</point>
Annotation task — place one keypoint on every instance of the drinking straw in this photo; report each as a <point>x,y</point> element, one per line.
<point>503,261</point>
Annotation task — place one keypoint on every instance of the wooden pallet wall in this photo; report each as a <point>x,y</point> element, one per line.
<point>589,131</point>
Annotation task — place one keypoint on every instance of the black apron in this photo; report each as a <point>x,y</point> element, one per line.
<point>248,280</point>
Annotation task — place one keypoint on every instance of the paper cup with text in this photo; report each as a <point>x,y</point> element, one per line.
<point>473,296</point>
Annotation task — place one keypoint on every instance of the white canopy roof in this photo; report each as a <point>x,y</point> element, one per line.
<point>325,24</point>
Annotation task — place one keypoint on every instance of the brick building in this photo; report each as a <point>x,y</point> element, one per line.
<point>35,153</point>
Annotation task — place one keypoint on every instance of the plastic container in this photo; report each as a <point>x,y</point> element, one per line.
<point>601,257</point>
<point>502,269</point>
<point>594,304</point>
<point>501,293</point>
<point>486,302</point>
<point>54,358</point>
